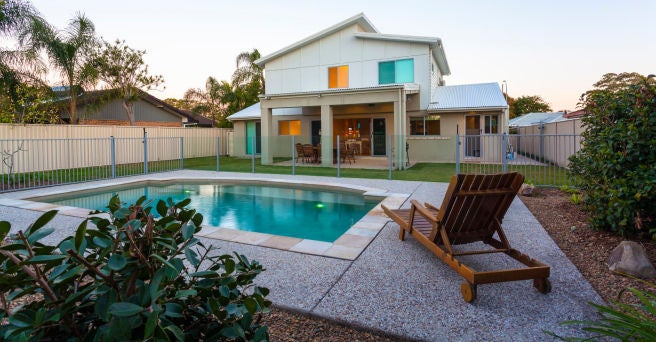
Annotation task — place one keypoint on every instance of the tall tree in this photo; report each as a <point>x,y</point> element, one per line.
<point>124,70</point>
<point>68,51</point>
<point>529,104</point>
<point>247,80</point>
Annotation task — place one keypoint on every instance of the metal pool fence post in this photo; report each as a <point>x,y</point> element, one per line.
<point>338,156</point>
<point>390,156</point>
<point>253,150</point>
<point>457,153</point>
<point>112,148</point>
<point>504,151</point>
<point>293,155</point>
<point>218,152</point>
<point>182,153</point>
<point>145,142</point>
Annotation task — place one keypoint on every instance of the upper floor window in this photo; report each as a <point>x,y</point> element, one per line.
<point>289,127</point>
<point>338,76</point>
<point>400,71</point>
<point>491,124</point>
<point>428,125</point>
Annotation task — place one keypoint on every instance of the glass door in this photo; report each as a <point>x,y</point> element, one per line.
<point>472,136</point>
<point>253,129</point>
<point>378,137</point>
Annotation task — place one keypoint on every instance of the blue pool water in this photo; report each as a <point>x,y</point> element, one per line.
<point>294,212</point>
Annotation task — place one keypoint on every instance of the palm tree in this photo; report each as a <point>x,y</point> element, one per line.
<point>68,51</point>
<point>248,73</point>
<point>214,100</point>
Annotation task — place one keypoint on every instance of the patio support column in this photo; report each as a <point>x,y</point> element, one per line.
<point>267,123</point>
<point>400,126</point>
<point>326,135</point>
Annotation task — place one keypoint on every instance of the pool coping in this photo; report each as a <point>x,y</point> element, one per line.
<point>348,246</point>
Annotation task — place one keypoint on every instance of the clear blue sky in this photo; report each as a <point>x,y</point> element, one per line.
<point>555,49</point>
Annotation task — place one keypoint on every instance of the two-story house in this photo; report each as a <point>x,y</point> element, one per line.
<point>351,82</point>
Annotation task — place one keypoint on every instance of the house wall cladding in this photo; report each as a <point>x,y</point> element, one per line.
<point>52,147</point>
<point>306,68</point>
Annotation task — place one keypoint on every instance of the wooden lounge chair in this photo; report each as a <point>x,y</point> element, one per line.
<point>472,211</point>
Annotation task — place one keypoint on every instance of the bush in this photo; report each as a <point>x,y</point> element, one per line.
<point>617,163</point>
<point>130,278</point>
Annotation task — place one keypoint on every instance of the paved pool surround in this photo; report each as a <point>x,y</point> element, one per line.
<point>370,278</point>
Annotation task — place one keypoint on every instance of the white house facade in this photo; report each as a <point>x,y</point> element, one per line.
<point>352,83</point>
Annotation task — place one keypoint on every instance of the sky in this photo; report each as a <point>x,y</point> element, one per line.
<point>555,49</point>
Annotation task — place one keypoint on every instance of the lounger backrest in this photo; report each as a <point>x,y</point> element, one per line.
<point>475,204</point>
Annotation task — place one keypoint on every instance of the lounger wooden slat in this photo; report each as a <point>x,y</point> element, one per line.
<point>472,211</point>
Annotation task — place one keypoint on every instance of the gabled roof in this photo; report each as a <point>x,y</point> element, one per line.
<point>467,97</point>
<point>357,19</point>
<point>435,43</point>
<point>577,114</point>
<point>530,119</point>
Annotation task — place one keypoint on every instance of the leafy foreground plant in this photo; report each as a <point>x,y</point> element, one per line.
<point>625,322</point>
<point>131,278</point>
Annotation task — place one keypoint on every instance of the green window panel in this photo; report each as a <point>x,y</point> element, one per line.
<point>405,71</point>
<point>386,72</point>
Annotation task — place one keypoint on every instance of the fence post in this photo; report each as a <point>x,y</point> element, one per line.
<point>338,156</point>
<point>504,151</point>
<point>457,153</point>
<point>112,149</point>
<point>293,155</point>
<point>253,150</point>
<point>390,156</point>
<point>182,153</point>
<point>541,142</point>
<point>145,142</point>
<point>218,152</point>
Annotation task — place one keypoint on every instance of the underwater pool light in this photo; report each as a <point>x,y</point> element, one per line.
<point>320,205</point>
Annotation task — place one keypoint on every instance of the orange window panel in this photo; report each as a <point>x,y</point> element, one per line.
<point>332,77</point>
<point>342,76</point>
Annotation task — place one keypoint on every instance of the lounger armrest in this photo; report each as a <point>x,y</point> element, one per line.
<point>430,206</point>
<point>425,212</point>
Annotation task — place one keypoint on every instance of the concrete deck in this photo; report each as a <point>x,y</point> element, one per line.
<point>397,287</point>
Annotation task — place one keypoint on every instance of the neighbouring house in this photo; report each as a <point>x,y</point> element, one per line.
<point>102,107</point>
<point>352,83</point>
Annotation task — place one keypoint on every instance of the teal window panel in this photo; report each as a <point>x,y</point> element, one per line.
<point>386,72</point>
<point>405,71</point>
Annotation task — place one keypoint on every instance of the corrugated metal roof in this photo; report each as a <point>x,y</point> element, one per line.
<point>530,119</point>
<point>467,96</point>
<point>253,112</point>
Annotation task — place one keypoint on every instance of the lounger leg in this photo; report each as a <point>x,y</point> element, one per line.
<point>401,234</point>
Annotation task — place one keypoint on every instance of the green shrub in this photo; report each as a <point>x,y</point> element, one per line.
<point>621,321</point>
<point>617,163</point>
<point>130,278</point>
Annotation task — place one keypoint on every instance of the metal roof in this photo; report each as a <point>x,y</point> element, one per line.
<point>530,119</point>
<point>253,112</point>
<point>467,96</point>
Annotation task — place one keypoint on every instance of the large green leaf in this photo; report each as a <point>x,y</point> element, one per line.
<point>151,323</point>
<point>192,256</point>
<point>39,234</point>
<point>43,259</point>
<point>114,204</point>
<point>177,332</point>
<point>185,202</point>
<point>183,294</point>
<point>117,262</point>
<point>162,209</point>
<point>124,309</point>
<point>188,231</point>
<point>5,227</point>
<point>40,222</point>
<point>80,234</point>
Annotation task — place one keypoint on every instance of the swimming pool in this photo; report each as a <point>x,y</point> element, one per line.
<point>304,213</point>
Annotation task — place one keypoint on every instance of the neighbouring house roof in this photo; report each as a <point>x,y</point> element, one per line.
<point>467,97</point>
<point>253,112</point>
<point>357,19</point>
<point>577,114</point>
<point>434,42</point>
<point>530,119</point>
<point>196,119</point>
<point>94,96</point>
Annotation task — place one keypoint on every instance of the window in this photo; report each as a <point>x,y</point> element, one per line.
<point>338,77</point>
<point>401,71</point>
<point>291,127</point>
<point>429,125</point>
<point>491,124</point>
